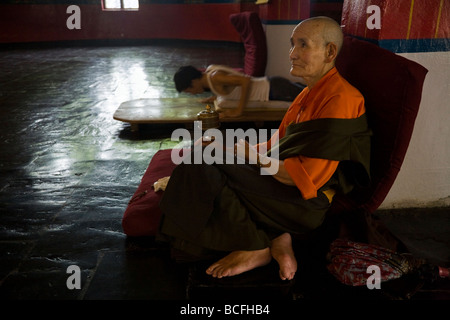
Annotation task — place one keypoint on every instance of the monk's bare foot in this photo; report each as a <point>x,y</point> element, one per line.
<point>282,251</point>
<point>238,262</point>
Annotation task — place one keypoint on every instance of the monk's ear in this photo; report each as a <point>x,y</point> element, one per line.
<point>331,51</point>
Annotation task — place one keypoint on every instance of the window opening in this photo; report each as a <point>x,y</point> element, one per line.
<point>120,4</point>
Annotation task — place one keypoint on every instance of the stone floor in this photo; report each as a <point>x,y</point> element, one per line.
<point>68,171</point>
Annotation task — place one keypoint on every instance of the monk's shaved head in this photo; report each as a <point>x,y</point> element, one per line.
<point>327,28</point>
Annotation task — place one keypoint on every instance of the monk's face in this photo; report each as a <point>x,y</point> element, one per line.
<point>308,52</point>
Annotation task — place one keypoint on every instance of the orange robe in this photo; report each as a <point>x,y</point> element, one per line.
<point>331,97</point>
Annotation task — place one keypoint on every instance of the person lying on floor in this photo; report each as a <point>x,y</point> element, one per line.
<point>246,218</point>
<point>228,84</point>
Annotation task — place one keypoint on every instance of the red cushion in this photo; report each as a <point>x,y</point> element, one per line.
<point>252,33</point>
<point>142,216</point>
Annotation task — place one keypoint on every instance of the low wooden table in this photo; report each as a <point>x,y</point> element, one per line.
<point>185,110</point>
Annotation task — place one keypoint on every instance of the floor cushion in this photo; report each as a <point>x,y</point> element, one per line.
<point>142,215</point>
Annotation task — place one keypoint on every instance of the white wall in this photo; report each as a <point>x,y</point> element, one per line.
<point>278,45</point>
<point>424,179</point>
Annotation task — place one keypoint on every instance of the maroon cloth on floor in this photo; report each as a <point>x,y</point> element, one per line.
<point>142,215</point>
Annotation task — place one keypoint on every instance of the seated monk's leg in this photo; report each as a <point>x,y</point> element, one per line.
<point>238,262</point>
<point>282,252</point>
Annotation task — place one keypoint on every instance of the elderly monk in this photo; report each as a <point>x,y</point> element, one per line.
<point>323,147</point>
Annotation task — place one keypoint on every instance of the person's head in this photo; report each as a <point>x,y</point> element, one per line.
<point>315,44</point>
<point>187,79</point>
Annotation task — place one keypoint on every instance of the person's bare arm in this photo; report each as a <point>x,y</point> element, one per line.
<point>244,82</point>
<point>209,100</point>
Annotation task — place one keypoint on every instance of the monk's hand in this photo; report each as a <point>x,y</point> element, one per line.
<point>245,151</point>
